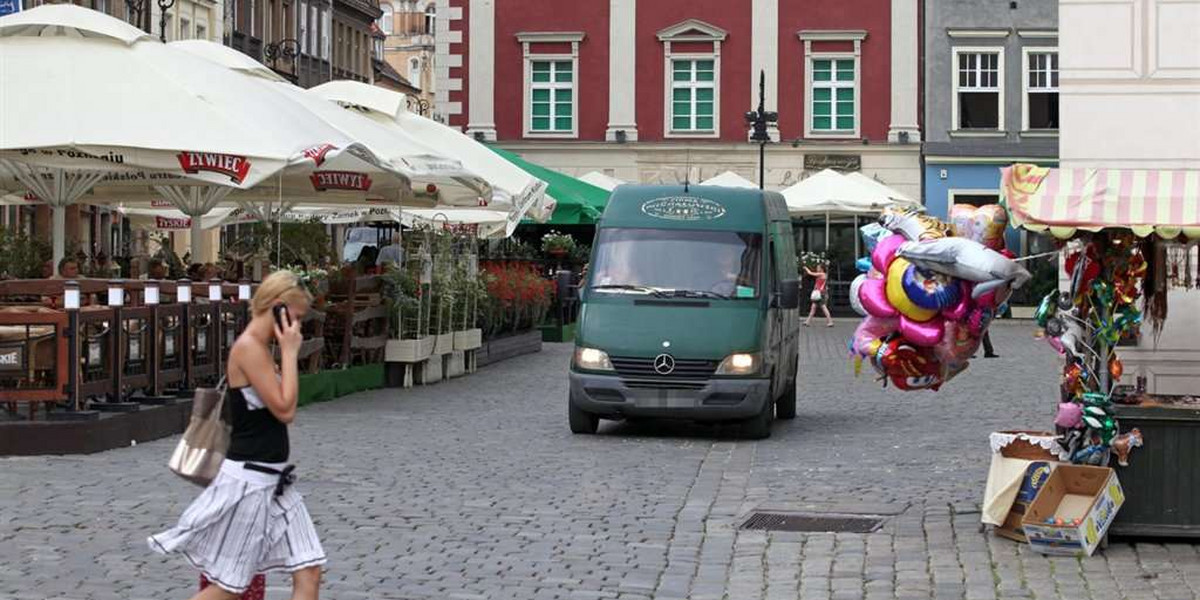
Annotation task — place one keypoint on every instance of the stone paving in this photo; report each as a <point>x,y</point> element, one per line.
<point>475,489</point>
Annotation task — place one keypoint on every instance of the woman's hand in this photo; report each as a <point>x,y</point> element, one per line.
<point>289,337</point>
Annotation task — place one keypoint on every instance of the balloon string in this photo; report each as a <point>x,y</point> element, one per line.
<point>1024,258</point>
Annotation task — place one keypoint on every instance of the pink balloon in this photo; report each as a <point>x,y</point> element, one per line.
<point>958,311</point>
<point>1070,415</point>
<point>869,330</point>
<point>873,295</point>
<point>956,346</point>
<point>923,333</point>
<point>885,251</point>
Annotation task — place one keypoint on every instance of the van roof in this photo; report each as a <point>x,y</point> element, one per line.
<point>699,207</point>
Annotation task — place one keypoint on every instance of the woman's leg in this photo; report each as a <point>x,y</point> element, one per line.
<point>828,317</point>
<point>214,592</point>
<point>812,310</point>
<point>305,583</point>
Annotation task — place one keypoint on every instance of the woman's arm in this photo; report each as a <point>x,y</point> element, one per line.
<point>255,363</point>
<point>809,272</point>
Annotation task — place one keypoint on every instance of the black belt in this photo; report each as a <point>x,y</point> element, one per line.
<point>286,475</point>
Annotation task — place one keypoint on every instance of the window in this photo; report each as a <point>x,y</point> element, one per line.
<point>978,90</point>
<point>414,71</point>
<point>100,5</point>
<point>833,105</point>
<point>314,30</point>
<point>185,28</point>
<point>1041,89</point>
<point>250,12</point>
<point>269,22</point>
<point>201,31</point>
<point>302,33</point>
<point>552,96</point>
<point>430,19</point>
<point>693,95</point>
<point>325,25</point>
<point>387,21</point>
<point>974,197</point>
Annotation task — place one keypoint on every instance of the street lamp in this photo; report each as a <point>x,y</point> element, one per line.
<point>759,120</point>
<point>287,49</point>
<point>163,6</point>
<point>419,105</point>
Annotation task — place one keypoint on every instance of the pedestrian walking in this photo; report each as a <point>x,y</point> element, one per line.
<point>818,296</point>
<point>250,519</point>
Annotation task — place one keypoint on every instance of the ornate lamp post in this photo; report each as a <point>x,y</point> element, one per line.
<point>287,49</point>
<point>759,120</point>
<point>418,105</point>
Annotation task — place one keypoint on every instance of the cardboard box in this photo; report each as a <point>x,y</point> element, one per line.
<point>1073,510</point>
<point>1036,475</point>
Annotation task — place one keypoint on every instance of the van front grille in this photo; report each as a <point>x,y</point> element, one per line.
<point>644,368</point>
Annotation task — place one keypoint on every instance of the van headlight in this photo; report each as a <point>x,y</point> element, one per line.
<point>591,359</point>
<point>740,364</point>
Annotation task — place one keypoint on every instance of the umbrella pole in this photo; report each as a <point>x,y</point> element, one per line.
<point>826,233</point>
<point>60,232</point>
<point>196,232</point>
<point>855,234</point>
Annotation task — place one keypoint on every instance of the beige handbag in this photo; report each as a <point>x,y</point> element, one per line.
<point>199,455</point>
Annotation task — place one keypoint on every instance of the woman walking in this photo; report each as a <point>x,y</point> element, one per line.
<point>250,520</point>
<point>818,294</point>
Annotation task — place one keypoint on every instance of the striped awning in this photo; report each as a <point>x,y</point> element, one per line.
<point>1062,201</point>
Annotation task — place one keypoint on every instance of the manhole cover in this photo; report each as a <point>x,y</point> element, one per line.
<point>767,521</point>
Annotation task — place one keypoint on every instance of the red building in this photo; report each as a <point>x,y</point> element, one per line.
<point>644,89</point>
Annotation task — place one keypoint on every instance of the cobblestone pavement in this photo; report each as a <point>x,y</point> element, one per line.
<point>475,489</point>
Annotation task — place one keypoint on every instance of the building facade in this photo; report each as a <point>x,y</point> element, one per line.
<point>410,27</point>
<point>1131,100</point>
<point>991,97</point>
<point>656,90</point>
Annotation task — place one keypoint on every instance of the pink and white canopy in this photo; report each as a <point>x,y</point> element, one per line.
<point>1063,201</point>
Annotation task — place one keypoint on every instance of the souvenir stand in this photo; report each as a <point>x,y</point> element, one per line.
<point>1128,242</point>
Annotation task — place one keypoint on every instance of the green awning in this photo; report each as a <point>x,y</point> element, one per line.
<point>578,202</point>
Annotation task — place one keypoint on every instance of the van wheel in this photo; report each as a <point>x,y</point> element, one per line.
<point>582,421</point>
<point>759,427</point>
<point>785,407</point>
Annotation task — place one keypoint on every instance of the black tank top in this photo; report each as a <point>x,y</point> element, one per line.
<point>257,435</point>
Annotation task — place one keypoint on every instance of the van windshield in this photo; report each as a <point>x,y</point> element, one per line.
<point>722,263</point>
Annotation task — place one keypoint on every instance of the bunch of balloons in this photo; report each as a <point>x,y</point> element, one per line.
<point>928,292</point>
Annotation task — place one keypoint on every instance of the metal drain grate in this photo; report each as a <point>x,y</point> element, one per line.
<point>766,521</point>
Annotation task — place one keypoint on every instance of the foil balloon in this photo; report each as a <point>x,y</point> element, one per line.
<point>872,295</point>
<point>912,225</point>
<point>900,300</point>
<point>923,333</point>
<point>1070,415</point>
<point>1123,444</point>
<point>956,346</point>
<point>884,252</point>
<point>929,290</point>
<point>983,224</point>
<point>855,289</point>
<point>863,264</point>
<point>968,260</point>
<point>871,234</point>
<point>869,335</point>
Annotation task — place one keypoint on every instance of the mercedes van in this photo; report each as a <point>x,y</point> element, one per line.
<point>690,310</point>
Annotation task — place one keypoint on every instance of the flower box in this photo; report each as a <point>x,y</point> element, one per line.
<point>469,339</point>
<point>409,351</point>
<point>444,344</point>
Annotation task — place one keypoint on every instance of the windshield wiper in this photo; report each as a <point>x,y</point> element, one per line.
<point>694,294</point>
<point>629,287</point>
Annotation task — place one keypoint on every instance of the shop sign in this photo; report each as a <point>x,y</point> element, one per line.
<point>12,358</point>
<point>172,223</point>
<point>340,180</point>
<point>236,167</point>
<point>837,162</point>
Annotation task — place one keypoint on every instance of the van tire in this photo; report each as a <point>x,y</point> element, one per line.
<point>758,427</point>
<point>785,407</point>
<point>581,421</point>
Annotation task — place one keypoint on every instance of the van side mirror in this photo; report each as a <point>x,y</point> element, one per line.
<point>789,294</point>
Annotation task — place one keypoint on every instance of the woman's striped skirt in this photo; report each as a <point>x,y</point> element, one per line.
<point>239,527</point>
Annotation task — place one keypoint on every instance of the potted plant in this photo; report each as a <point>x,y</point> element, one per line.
<point>557,245</point>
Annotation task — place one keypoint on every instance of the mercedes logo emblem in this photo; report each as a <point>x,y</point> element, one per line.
<point>664,364</point>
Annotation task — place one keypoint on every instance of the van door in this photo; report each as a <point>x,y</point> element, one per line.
<point>788,321</point>
<point>774,352</point>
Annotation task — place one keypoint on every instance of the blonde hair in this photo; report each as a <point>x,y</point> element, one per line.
<point>280,286</point>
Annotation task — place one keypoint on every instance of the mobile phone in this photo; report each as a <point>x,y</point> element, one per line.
<point>280,311</point>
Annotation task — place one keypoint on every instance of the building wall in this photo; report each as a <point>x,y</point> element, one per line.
<point>1131,99</point>
<point>944,15</point>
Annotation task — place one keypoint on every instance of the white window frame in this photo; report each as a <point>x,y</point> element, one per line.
<point>326,18</point>
<point>302,27</point>
<point>1026,55</point>
<point>430,19</point>
<point>387,21</point>
<point>202,26</point>
<point>691,30</point>
<point>808,37</point>
<point>954,89</point>
<point>527,39</point>
<point>185,26</point>
<point>669,127</point>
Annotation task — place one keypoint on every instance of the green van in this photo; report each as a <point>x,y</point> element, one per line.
<point>690,310</point>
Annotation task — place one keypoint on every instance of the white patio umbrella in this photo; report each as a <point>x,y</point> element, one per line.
<point>730,179</point>
<point>490,223</point>
<point>92,102</point>
<point>832,194</point>
<point>899,197</point>
<point>602,181</point>
<point>511,186</point>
